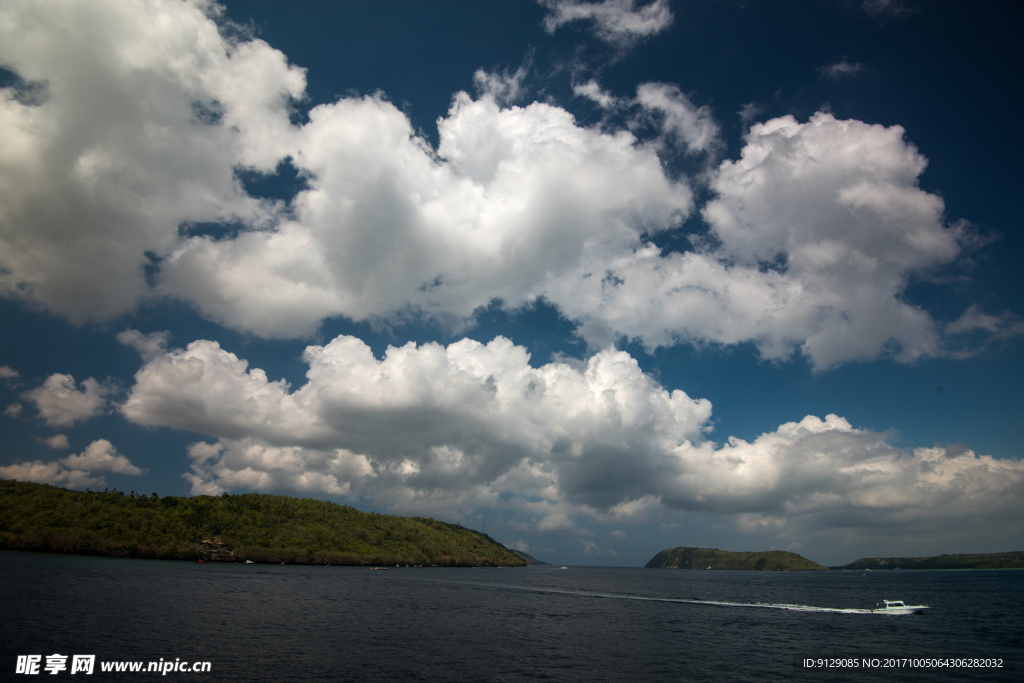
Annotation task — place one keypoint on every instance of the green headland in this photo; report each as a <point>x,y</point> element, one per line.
<point>250,526</point>
<point>706,558</point>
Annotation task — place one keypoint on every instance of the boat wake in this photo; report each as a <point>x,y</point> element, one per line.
<point>714,603</point>
<point>683,601</point>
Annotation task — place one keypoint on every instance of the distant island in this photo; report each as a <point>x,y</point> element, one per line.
<point>233,528</point>
<point>706,558</point>
<point>779,560</point>
<point>1010,560</point>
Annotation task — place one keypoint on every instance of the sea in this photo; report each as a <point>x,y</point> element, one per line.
<point>260,622</point>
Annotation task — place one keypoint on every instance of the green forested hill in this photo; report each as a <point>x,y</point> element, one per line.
<point>1011,560</point>
<point>258,527</point>
<point>706,558</point>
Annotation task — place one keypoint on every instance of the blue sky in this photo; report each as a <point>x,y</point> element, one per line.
<point>610,277</point>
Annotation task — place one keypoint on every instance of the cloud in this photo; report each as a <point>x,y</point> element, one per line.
<point>521,545</point>
<point>505,88</point>
<point>448,430</point>
<point>817,228</point>
<point>682,126</point>
<point>591,548</point>
<point>61,403</point>
<point>748,112</point>
<point>991,329</point>
<point>50,473</point>
<point>814,231</point>
<point>74,471</point>
<point>57,442</point>
<point>839,201</point>
<point>149,346</point>
<point>693,128</point>
<point>618,22</point>
<point>593,92</point>
<point>841,69</point>
<point>520,197</point>
<point>148,111</point>
<point>14,410</point>
<point>385,226</point>
<point>823,480</point>
<point>820,466</point>
<point>101,456</point>
<point>7,373</point>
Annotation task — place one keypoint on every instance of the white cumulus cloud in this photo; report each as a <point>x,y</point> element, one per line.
<point>40,472</point>
<point>100,456</point>
<point>817,228</point>
<point>521,196</point>
<point>74,471</point>
<point>61,403</point>
<point>145,110</point>
<point>149,346</point>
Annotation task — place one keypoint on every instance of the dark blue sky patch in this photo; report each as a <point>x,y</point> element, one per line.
<point>223,230</point>
<point>540,327</point>
<point>29,93</point>
<point>151,269</point>
<point>777,264</point>
<point>207,113</point>
<point>283,184</point>
<point>693,234</point>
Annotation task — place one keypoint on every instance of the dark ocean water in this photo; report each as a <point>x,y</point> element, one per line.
<point>299,623</point>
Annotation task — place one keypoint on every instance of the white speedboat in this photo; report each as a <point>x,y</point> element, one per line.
<point>899,607</point>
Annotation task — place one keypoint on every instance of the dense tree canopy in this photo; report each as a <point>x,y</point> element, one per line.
<point>260,527</point>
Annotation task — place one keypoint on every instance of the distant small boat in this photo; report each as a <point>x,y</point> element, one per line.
<point>249,562</point>
<point>380,569</point>
<point>202,560</point>
<point>900,607</point>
